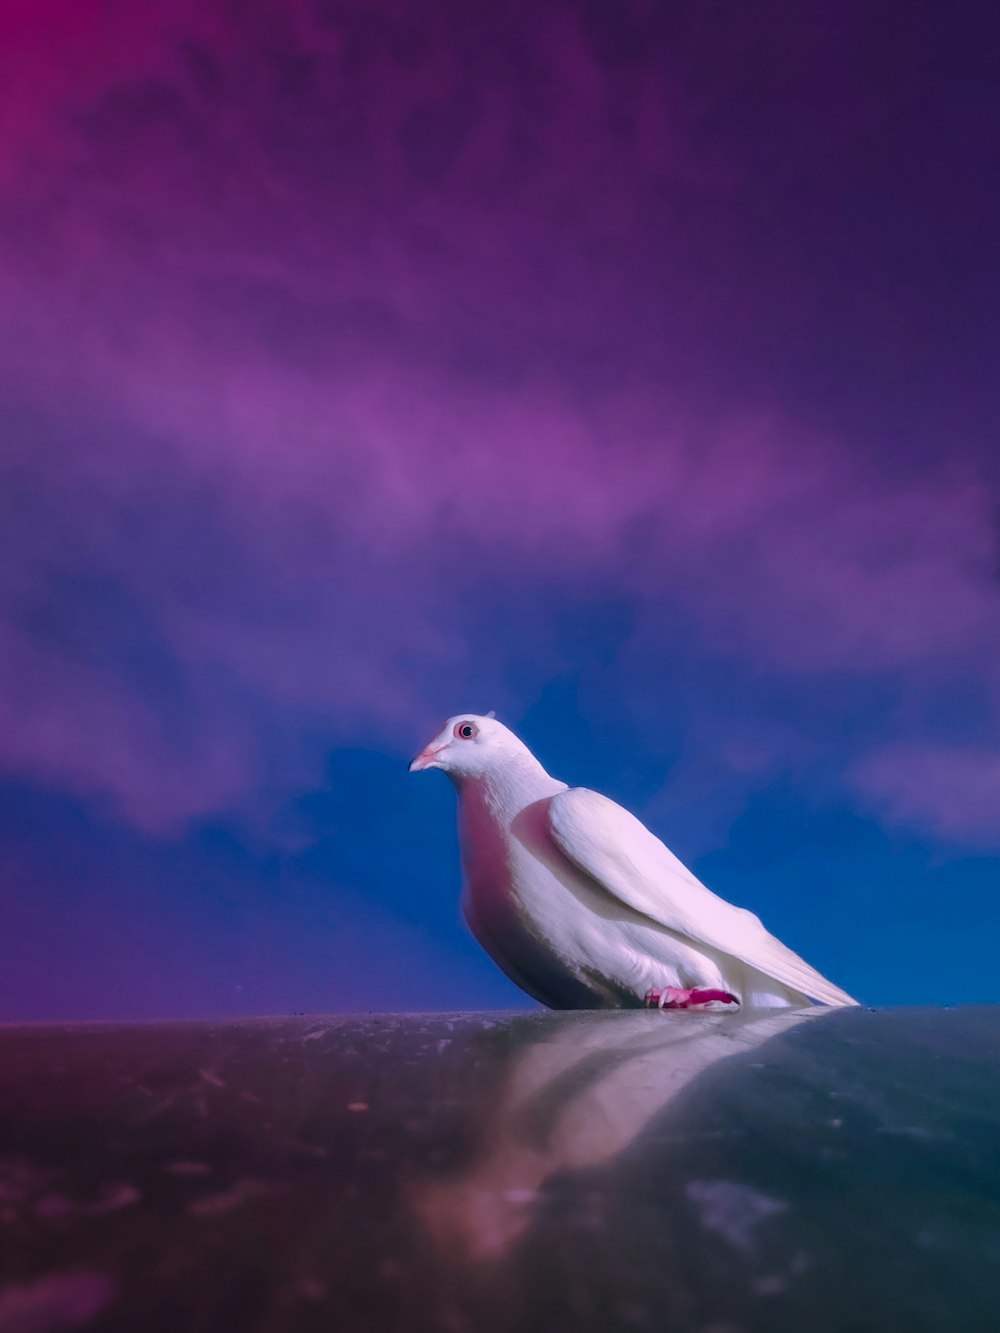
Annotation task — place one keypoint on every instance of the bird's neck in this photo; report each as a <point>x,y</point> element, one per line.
<point>509,787</point>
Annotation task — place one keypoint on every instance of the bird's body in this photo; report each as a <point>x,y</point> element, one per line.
<point>582,906</point>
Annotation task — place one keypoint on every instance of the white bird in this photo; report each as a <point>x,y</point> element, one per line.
<point>584,908</point>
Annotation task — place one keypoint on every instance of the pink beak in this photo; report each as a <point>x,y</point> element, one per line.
<point>426,757</point>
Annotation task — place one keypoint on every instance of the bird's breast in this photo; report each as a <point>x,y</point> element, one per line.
<point>520,904</point>
<point>495,877</point>
<point>506,877</point>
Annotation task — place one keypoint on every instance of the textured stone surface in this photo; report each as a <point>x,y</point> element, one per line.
<point>613,1171</point>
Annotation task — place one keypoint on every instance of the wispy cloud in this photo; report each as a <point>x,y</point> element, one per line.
<point>323,340</point>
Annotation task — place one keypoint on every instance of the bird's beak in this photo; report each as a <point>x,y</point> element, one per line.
<point>427,758</point>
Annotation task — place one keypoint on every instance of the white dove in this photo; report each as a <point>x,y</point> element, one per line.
<point>584,908</point>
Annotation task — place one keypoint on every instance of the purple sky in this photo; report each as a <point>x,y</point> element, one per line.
<point>630,369</point>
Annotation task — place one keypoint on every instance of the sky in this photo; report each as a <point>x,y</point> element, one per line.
<point>628,369</point>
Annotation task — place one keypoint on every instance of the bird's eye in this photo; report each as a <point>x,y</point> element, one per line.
<point>466,731</point>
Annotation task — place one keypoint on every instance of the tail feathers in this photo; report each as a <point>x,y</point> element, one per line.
<point>762,991</point>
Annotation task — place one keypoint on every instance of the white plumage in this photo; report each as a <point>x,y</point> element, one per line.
<point>581,905</point>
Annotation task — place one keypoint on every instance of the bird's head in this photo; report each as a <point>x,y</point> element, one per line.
<point>469,746</point>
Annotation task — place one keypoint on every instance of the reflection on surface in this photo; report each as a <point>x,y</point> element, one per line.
<point>474,1173</point>
<point>575,1099</point>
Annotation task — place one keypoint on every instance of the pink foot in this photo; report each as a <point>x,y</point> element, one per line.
<point>672,997</point>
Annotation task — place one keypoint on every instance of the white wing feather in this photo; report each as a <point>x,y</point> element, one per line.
<point>616,850</point>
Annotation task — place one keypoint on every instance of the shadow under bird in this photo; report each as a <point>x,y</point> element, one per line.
<point>584,908</point>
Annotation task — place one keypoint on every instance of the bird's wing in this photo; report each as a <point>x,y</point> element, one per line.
<point>614,848</point>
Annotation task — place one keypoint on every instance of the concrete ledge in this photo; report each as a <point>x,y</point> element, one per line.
<point>825,1170</point>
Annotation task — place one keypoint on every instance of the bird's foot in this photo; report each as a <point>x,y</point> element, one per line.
<point>673,997</point>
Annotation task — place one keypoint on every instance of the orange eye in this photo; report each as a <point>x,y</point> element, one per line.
<point>466,731</point>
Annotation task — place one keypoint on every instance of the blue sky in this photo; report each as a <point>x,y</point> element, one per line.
<point>628,370</point>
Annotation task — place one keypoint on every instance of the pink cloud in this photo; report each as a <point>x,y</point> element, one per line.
<point>355,341</point>
<point>92,736</point>
<point>949,791</point>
